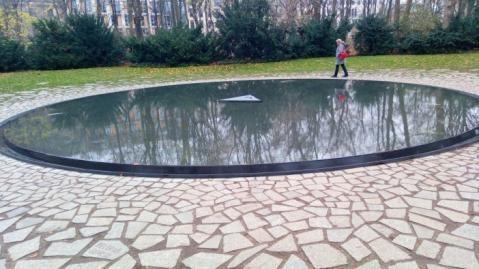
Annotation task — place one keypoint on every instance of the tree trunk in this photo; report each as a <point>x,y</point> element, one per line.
<point>195,7</point>
<point>98,9</point>
<point>333,8</point>
<point>341,9</point>
<point>185,10</point>
<point>207,15</point>
<point>69,6</point>
<point>130,11</point>
<point>470,8</point>
<point>83,6</point>
<point>348,9</point>
<point>397,11</point>
<point>114,15</point>
<point>324,9</point>
<point>161,11</point>
<point>388,14</point>
<point>61,8</point>
<point>448,14</point>
<point>16,17</point>
<point>175,12</point>
<point>155,14</point>
<point>407,12</point>
<point>147,15</point>
<point>138,17</point>
<point>317,9</point>
<point>462,8</point>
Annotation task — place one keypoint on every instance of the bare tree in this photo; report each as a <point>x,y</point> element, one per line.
<point>407,10</point>
<point>316,6</point>
<point>99,3</point>
<point>196,6</point>
<point>342,4</point>
<point>175,12</point>
<point>12,23</point>
<point>129,9</point>
<point>348,9</point>
<point>146,10</point>
<point>397,11</point>
<point>63,8</point>
<point>470,7</point>
<point>155,15</point>
<point>448,12</point>
<point>82,6</point>
<point>288,11</point>
<point>137,18</point>
<point>334,7</point>
<point>389,9</point>
<point>162,13</point>
<point>114,15</point>
<point>461,11</point>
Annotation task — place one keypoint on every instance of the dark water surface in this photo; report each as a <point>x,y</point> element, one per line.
<point>297,120</point>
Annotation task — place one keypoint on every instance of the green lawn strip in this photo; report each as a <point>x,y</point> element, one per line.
<point>30,80</point>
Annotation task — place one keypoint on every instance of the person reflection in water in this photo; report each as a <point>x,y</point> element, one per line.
<point>342,96</point>
<point>340,58</point>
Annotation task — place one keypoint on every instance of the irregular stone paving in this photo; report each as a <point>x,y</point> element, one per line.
<point>421,213</point>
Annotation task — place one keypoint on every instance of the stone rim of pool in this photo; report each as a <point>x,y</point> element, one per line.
<point>223,171</point>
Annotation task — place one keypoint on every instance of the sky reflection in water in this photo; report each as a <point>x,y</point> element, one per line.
<point>297,120</point>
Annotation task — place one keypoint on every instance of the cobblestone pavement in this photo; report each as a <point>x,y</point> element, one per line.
<point>421,213</point>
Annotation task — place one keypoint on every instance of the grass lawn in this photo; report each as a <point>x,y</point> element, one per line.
<point>30,80</point>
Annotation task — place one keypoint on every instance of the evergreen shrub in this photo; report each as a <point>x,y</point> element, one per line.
<point>174,47</point>
<point>374,36</point>
<point>247,32</point>
<point>80,41</point>
<point>320,37</point>
<point>12,55</point>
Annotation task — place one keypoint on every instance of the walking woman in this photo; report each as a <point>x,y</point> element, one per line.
<point>340,48</point>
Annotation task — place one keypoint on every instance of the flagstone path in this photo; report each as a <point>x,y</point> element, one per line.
<point>420,213</point>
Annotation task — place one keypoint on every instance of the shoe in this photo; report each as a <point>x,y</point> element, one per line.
<point>345,76</point>
<point>334,76</point>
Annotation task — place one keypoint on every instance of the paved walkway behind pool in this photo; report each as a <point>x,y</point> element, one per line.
<point>421,213</point>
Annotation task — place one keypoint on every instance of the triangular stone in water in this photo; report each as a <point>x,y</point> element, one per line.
<point>243,98</point>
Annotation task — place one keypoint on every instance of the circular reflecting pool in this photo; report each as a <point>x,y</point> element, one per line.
<point>245,127</point>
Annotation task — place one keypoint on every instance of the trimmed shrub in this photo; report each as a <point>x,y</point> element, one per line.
<point>294,43</point>
<point>468,27</point>
<point>178,46</point>
<point>374,36</point>
<point>415,43</point>
<point>343,29</point>
<point>443,41</point>
<point>51,48</point>
<point>97,43</point>
<point>320,38</point>
<point>12,55</point>
<point>81,41</point>
<point>437,41</point>
<point>247,32</point>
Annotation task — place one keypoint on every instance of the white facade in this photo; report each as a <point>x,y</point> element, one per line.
<point>152,18</point>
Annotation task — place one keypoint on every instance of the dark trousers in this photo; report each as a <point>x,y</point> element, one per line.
<point>344,70</point>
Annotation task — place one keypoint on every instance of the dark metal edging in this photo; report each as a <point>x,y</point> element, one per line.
<point>229,171</point>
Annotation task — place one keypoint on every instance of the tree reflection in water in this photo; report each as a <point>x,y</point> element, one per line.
<point>297,120</point>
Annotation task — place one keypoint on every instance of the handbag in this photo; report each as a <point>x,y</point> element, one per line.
<point>343,55</point>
